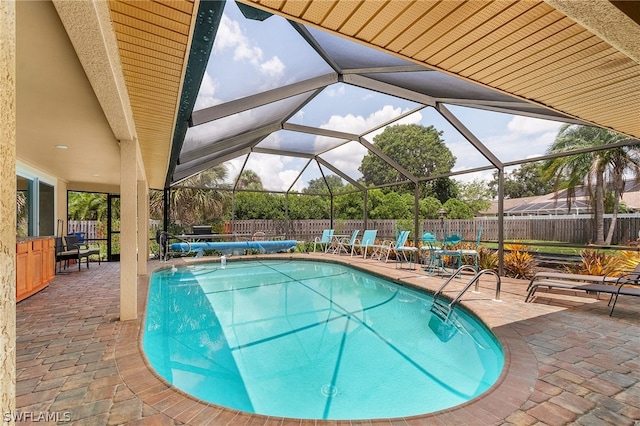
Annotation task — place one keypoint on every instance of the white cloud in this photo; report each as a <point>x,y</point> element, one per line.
<point>206,95</point>
<point>230,36</point>
<point>273,68</point>
<point>270,169</point>
<point>334,91</point>
<point>523,138</point>
<point>520,125</point>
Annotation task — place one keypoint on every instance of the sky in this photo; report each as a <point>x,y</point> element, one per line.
<point>244,62</point>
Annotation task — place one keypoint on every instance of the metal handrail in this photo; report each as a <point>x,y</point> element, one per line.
<point>163,242</point>
<point>455,274</point>
<point>475,279</point>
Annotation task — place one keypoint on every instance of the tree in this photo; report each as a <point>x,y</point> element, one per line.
<point>475,194</point>
<point>390,205</point>
<point>528,180</point>
<point>249,179</point>
<point>418,149</point>
<point>86,206</point>
<point>195,201</point>
<point>259,205</point>
<point>457,209</point>
<point>349,206</point>
<point>319,185</point>
<point>592,168</point>
<point>430,208</point>
<point>308,207</point>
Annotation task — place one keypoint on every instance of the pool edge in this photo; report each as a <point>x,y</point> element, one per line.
<point>512,388</point>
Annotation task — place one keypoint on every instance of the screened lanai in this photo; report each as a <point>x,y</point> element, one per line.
<point>293,103</point>
<point>315,97</point>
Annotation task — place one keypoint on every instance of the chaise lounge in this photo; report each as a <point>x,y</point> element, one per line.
<point>627,284</point>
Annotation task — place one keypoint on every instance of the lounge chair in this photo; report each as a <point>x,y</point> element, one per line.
<point>324,241</point>
<point>626,284</point>
<point>368,240</point>
<point>398,248</point>
<point>346,244</point>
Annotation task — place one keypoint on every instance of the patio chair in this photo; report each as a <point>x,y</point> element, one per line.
<point>438,254</point>
<point>433,262</point>
<point>368,240</point>
<point>75,250</point>
<point>346,244</point>
<point>324,241</point>
<point>399,248</point>
<point>474,252</point>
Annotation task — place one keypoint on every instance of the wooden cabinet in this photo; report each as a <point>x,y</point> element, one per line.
<point>35,266</point>
<point>22,269</point>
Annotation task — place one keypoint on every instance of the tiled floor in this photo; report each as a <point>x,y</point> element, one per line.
<point>567,362</point>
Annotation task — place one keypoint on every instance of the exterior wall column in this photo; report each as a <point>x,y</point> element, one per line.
<point>143,226</point>
<point>128,230</point>
<point>8,207</point>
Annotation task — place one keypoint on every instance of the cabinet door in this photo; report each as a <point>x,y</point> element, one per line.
<point>22,268</point>
<point>48,260</point>
<point>35,264</point>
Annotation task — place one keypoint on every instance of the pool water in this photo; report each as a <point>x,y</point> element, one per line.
<point>312,340</point>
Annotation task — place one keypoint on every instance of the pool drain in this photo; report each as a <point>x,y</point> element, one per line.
<point>329,390</point>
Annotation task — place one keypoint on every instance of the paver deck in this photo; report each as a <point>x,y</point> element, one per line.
<point>567,361</point>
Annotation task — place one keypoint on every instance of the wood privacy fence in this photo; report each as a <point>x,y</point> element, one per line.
<point>565,229</point>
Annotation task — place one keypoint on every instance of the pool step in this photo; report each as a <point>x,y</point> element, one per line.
<point>441,309</point>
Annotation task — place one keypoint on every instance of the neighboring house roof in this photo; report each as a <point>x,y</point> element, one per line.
<point>556,203</point>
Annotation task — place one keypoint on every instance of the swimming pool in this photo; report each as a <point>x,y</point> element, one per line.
<point>312,340</point>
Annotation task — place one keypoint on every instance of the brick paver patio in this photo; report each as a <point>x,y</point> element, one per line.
<point>567,361</point>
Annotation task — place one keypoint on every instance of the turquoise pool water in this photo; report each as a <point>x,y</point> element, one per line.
<point>312,340</point>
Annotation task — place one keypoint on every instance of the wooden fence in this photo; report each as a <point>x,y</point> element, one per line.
<point>578,230</point>
<point>565,229</point>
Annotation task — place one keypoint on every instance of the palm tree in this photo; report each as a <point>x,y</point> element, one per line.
<point>87,206</point>
<point>593,168</point>
<point>196,200</point>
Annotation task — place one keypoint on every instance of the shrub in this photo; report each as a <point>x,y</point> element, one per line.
<point>594,262</point>
<point>629,260</point>
<point>518,262</point>
<point>487,258</point>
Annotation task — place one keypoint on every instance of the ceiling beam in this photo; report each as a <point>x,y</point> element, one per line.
<point>389,89</point>
<point>457,124</point>
<point>340,173</point>
<point>238,140</point>
<point>244,104</point>
<point>320,132</point>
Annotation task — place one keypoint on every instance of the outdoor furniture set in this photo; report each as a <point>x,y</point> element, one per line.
<point>73,249</point>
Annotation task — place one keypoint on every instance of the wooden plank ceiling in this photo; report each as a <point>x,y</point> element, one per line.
<point>524,48</point>
<point>153,38</point>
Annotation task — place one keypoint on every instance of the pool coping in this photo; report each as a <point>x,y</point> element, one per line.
<point>512,389</point>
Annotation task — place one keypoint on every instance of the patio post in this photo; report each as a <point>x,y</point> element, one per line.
<point>366,208</point>
<point>129,154</point>
<point>416,215</point>
<point>8,206</point>
<point>143,226</point>
<point>501,221</point>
